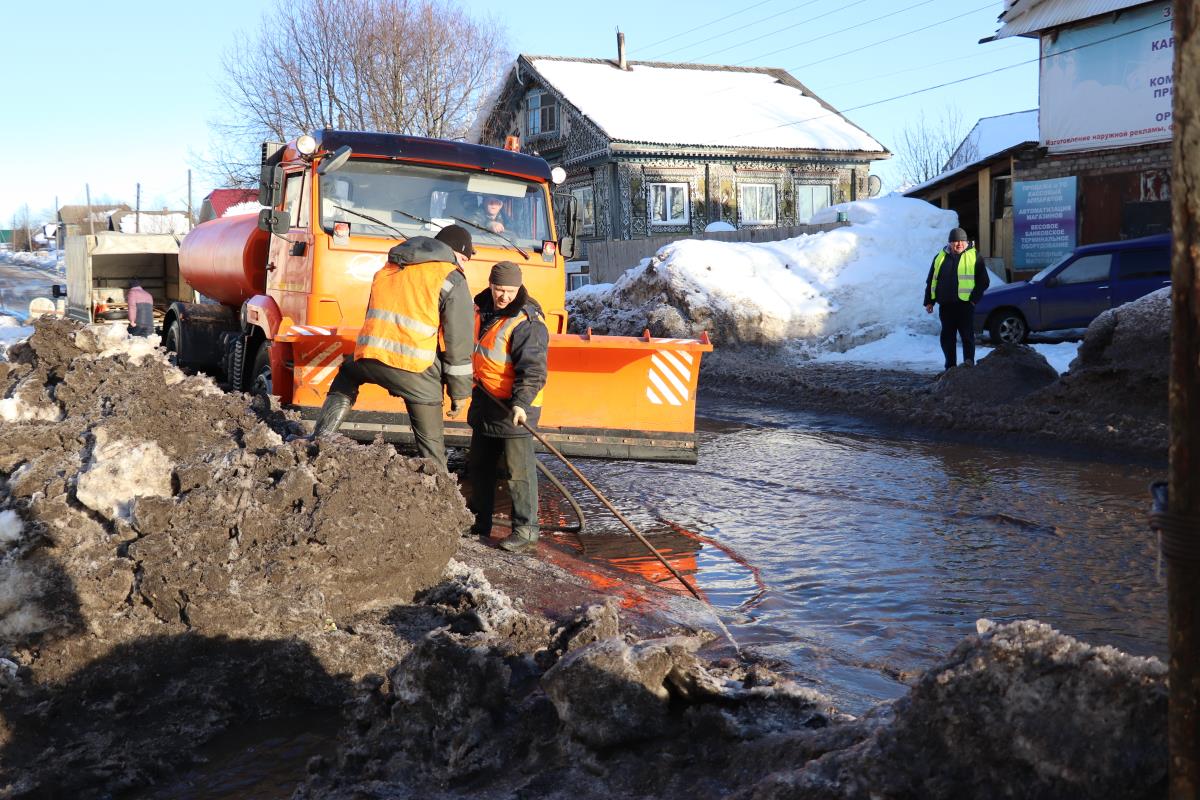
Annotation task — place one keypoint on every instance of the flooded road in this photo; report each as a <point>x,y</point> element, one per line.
<point>865,556</point>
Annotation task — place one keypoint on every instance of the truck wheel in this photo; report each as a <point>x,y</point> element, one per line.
<point>259,379</point>
<point>171,337</point>
<point>1008,327</point>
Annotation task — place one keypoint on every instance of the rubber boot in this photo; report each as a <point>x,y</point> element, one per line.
<point>521,540</point>
<point>333,411</point>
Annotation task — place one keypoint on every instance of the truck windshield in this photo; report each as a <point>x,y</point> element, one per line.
<point>419,201</point>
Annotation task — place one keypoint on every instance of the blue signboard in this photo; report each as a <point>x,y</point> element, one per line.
<point>1043,222</point>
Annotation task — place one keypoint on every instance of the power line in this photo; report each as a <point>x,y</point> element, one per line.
<point>752,24</point>
<point>705,25</point>
<point>893,38</point>
<point>994,51</point>
<point>834,33</point>
<point>781,30</point>
<point>950,83</point>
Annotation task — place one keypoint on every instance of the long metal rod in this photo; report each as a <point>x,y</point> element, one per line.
<point>613,509</point>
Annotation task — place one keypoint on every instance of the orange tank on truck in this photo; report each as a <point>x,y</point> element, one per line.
<point>287,290</point>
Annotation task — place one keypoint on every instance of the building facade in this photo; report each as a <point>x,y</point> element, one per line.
<point>654,149</point>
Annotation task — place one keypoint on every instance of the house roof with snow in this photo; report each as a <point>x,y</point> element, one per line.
<point>992,137</point>
<point>77,215</point>
<point>1029,17</point>
<point>221,200</point>
<point>696,105</point>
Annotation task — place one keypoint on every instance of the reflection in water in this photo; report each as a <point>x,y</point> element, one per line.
<point>873,556</point>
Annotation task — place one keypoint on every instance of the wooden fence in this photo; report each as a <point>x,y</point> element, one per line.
<point>608,259</point>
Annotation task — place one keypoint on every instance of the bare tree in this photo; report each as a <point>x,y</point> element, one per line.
<point>400,66</point>
<point>927,148</point>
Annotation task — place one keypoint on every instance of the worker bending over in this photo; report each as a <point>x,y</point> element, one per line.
<point>418,299</point>
<point>509,365</point>
<point>141,310</point>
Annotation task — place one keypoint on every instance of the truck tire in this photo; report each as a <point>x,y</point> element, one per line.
<point>1008,327</point>
<point>259,379</point>
<point>171,337</point>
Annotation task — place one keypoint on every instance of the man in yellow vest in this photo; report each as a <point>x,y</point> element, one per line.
<point>957,279</point>
<point>415,338</point>
<point>509,363</point>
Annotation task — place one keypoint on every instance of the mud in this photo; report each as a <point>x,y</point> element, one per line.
<point>1112,400</point>
<point>180,567</point>
<point>172,569</point>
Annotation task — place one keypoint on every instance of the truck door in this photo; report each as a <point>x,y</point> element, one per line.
<point>290,277</point>
<point>1077,293</point>
<point>1140,272</point>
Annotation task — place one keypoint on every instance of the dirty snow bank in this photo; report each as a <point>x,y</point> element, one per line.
<point>833,289</point>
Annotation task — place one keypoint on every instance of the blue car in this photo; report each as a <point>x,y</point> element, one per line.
<point>1074,290</point>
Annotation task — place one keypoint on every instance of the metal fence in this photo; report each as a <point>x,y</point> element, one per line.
<point>608,259</point>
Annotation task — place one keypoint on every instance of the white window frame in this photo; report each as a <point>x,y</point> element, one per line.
<point>667,190</point>
<point>585,198</point>
<point>759,190</point>
<point>535,105</point>
<point>807,187</point>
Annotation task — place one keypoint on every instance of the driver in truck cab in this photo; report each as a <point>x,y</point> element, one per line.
<point>417,336</point>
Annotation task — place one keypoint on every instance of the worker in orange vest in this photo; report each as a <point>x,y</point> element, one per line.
<point>509,363</point>
<point>415,339</point>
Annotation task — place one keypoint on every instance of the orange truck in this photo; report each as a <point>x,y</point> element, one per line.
<point>286,291</point>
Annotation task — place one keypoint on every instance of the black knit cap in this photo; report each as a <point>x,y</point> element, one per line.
<point>458,239</point>
<point>958,235</point>
<point>505,273</point>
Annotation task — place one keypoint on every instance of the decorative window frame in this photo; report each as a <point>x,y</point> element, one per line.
<point>759,191</point>
<point>829,185</point>
<point>585,199</point>
<point>668,187</point>
<point>538,111</point>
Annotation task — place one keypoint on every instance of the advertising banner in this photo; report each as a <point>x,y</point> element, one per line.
<point>1108,84</point>
<point>1043,222</point>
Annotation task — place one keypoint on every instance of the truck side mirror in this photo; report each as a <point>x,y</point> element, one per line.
<point>270,185</point>
<point>57,290</point>
<point>567,246</point>
<point>279,222</point>
<point>336,161</point>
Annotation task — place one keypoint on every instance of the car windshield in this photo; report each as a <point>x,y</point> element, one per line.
<point>1041,276</point>
<point>384,198</point>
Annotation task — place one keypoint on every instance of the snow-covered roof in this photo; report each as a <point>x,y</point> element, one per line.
<point>990,137</point>
<point>1025,17</point>
<point>701,105</point>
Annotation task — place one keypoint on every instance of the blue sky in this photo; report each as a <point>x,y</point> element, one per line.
<point>114,95</point>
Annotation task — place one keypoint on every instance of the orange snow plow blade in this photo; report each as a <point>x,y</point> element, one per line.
<point>625,397</point>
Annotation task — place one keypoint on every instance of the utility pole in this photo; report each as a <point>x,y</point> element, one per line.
<point>137,210</point>
<point>1180,525</point>
<point>191,219</point>
<point>87,191</point>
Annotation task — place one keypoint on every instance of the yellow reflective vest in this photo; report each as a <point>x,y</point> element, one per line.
<point>403,322</point>
<point>966,273</point>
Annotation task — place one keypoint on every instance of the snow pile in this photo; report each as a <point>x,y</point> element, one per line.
<point>834,289</point>
<point>11,528</point>
<point>107,341</point>
<point>241,209</point>
<point>13,409</point>
<point>43,259</point>
<point>174,222</point>
<point>121,471</point>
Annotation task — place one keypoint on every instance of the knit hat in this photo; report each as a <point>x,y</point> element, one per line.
<point>958,235</point>
<point>458,238</point>
<point>505,273</point>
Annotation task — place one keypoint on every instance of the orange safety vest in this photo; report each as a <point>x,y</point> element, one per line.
<point>403,321</point>
<point>491,362</point>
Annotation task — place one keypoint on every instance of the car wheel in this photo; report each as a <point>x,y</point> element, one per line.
<point>1008,327</point>
<point>260,374</point>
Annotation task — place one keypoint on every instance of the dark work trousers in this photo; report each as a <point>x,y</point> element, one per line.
<point>958,321</point>
<point>483,462</point>
<point>425,418</point>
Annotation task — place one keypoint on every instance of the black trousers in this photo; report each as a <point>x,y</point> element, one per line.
<point>958,321</point>
<point>425,418</point>
<point>483,462</point>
